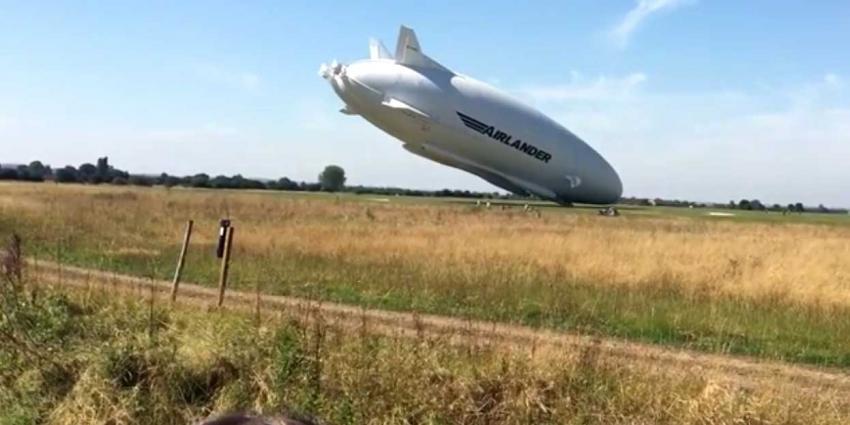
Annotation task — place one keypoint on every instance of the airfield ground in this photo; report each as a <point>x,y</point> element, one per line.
<point>763,285</point>
<point>647,284</point>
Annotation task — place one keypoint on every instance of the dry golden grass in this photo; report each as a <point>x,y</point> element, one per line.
<point>802,262</point>
<point>778,288</point>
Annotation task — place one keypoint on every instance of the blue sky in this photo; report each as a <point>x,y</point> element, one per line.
<point>704,100</point>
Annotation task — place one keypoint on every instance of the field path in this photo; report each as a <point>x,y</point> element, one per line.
<point>739,371</point>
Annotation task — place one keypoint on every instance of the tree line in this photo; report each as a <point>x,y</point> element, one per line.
<point>331,179</point>
<point>743,204</point>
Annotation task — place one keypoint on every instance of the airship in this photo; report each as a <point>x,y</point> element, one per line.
<point>458,121</point>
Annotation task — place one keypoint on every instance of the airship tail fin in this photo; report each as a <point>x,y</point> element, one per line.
<point>408,52</point>
<point>377,50</point>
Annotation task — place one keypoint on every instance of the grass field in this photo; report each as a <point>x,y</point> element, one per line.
<point>760,284</point>
<point>83,357</point>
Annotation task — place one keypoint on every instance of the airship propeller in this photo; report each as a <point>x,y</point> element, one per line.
<point>329,71</point>
<point>324,71</point>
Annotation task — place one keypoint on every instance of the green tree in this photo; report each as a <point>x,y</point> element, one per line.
<point>168,181</point>
<point>332,178</point>
<point>8,174</point>
<point>200,180</point>
<point>103,169</point>
<point>67,175</point>
<point>285,184</point>
<point>24,173</point>
<point>37,170</point>
<point>140,180</point>
<point>755,204</point>
<point>87,173</point>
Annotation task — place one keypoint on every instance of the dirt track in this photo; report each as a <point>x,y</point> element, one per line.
<point>734,370</point>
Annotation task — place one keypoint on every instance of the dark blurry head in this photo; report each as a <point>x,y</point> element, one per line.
<point>246,419</point>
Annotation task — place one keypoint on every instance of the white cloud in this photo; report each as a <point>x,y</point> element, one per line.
<point>244,80</point>
<point>622,33</point>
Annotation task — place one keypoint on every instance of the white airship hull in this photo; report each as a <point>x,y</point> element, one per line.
<point>463,123</point>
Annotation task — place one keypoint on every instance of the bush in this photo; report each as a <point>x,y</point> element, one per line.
<point>137,180</point>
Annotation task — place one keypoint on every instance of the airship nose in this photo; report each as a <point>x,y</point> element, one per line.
<point>613,186</point>
<point>604,182</point>
<point>356,83</point>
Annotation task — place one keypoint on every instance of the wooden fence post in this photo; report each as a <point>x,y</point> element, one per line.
<point>181,260</point>
<point>259,306</point>
<point>225,266</point>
